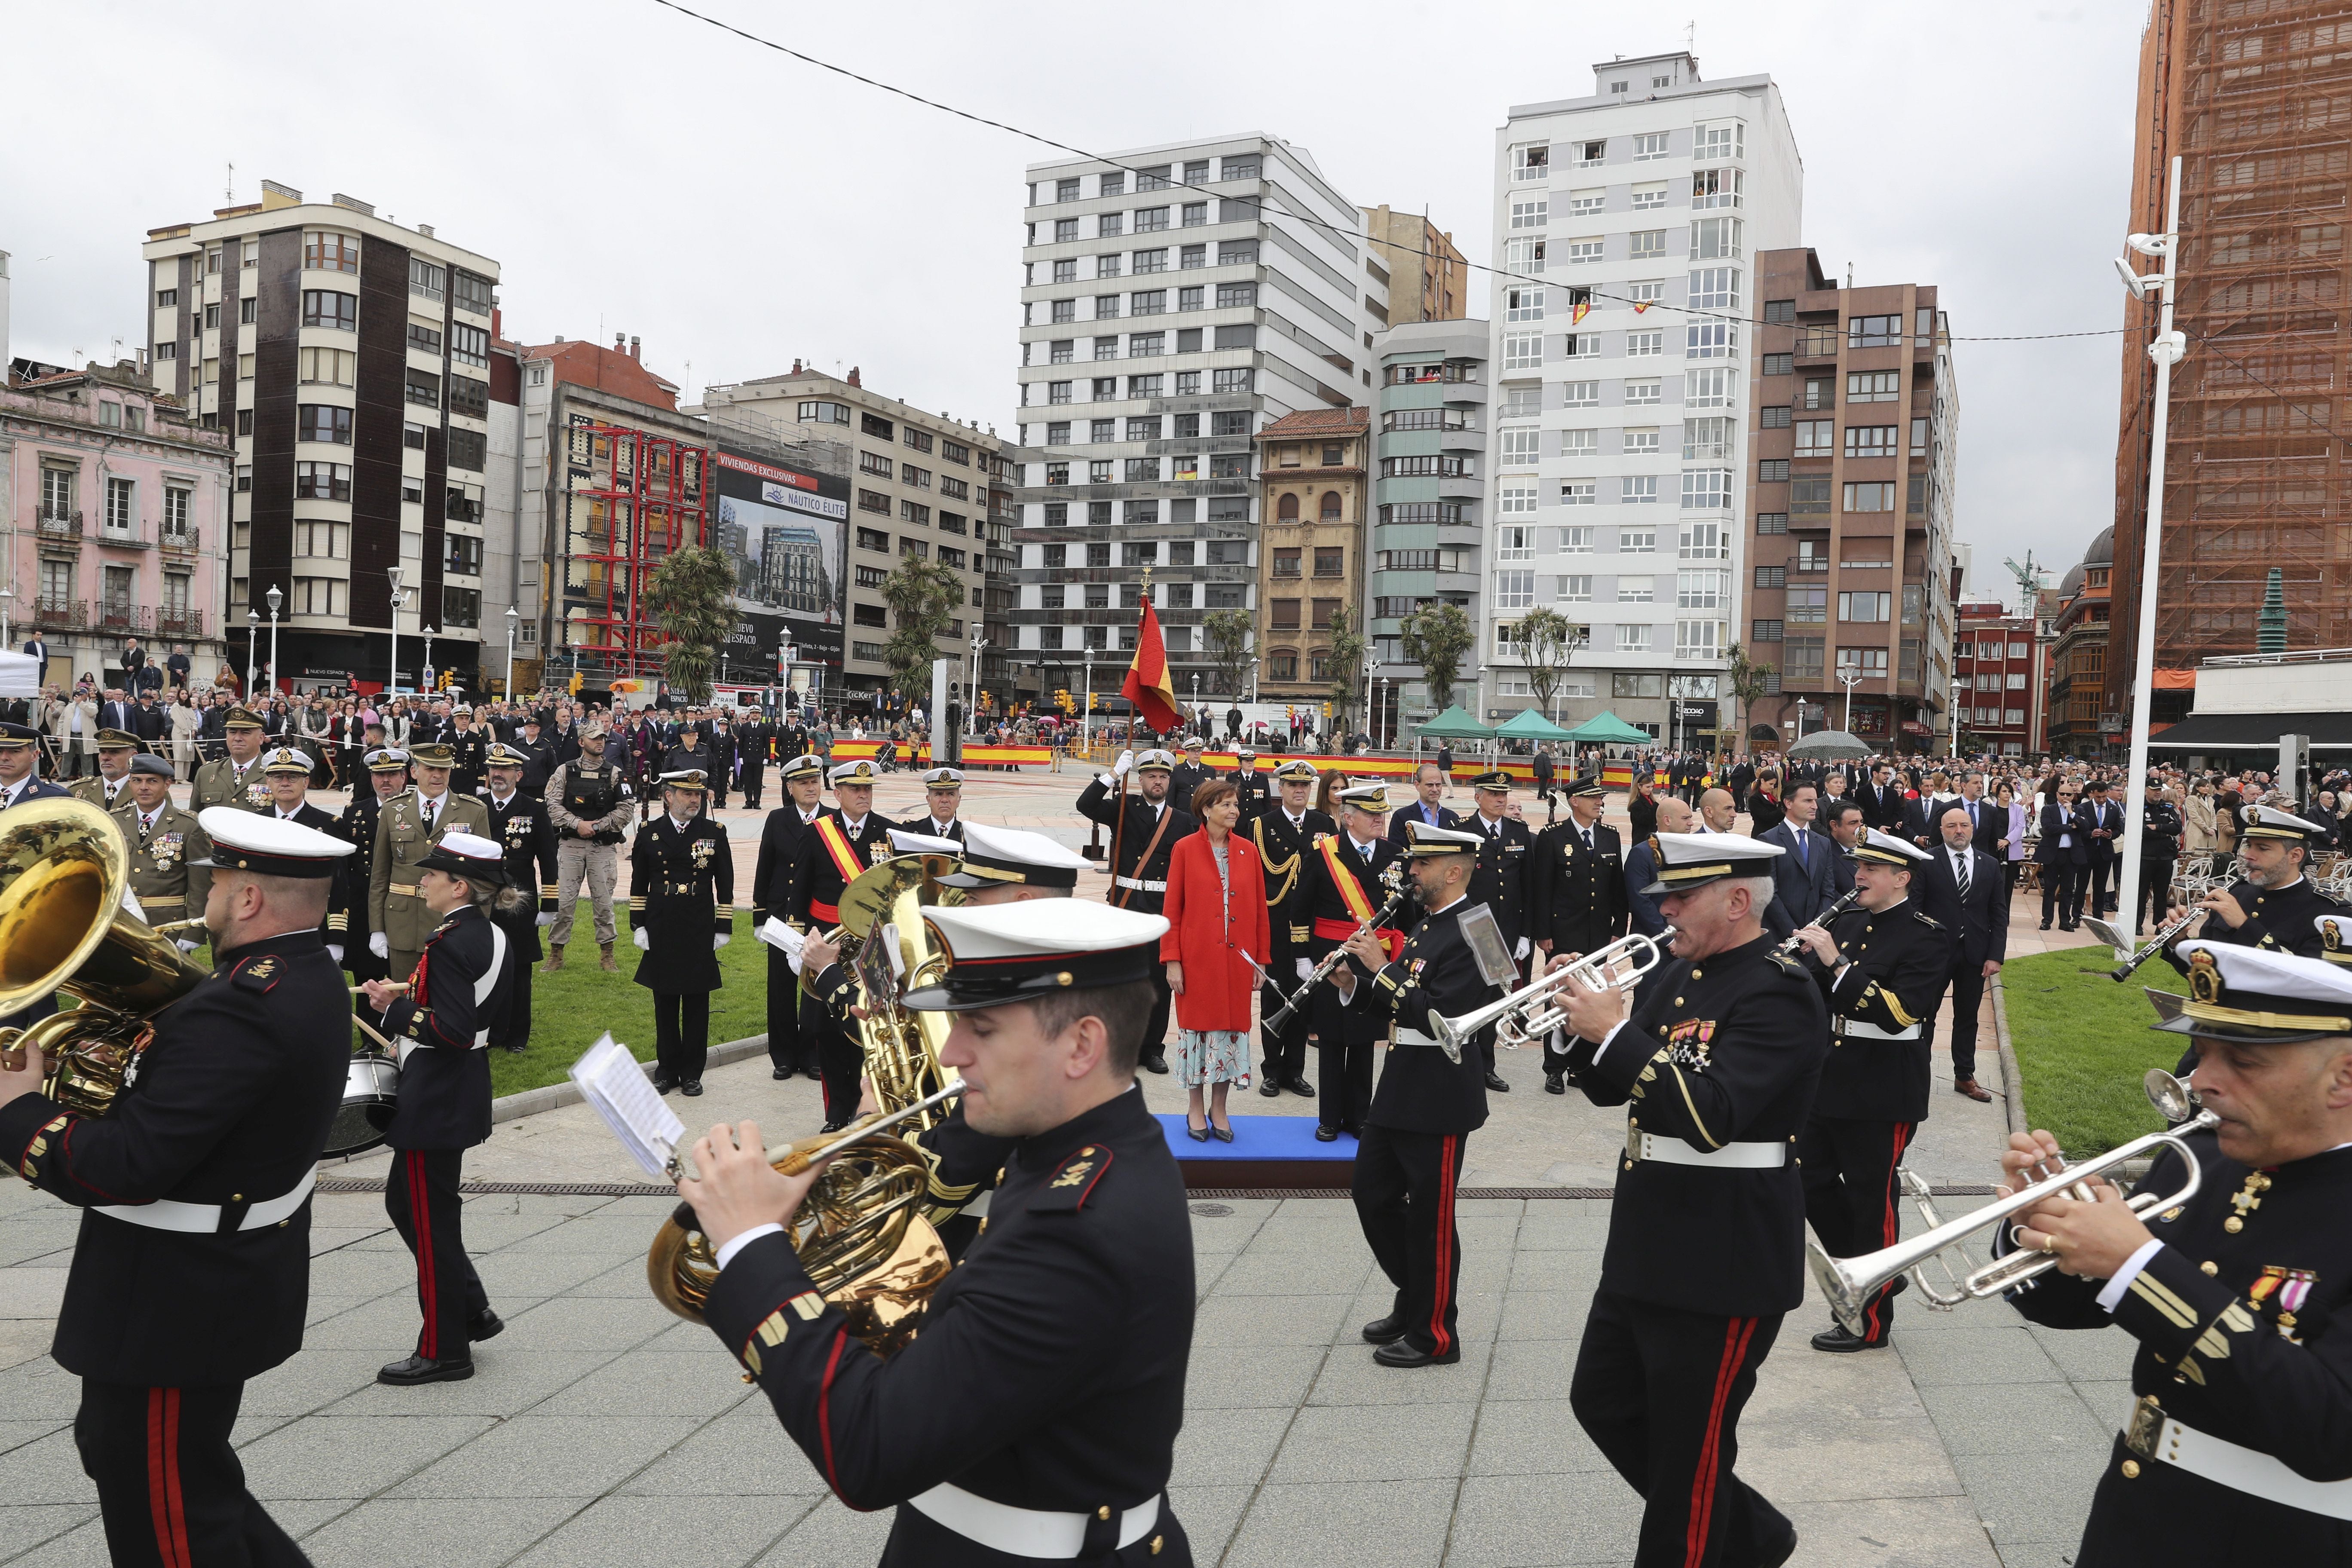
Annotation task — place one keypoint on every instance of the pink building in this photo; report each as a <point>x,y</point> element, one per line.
<point>112,510</point>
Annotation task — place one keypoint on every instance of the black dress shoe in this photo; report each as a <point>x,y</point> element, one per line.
<point>1155,1064</point>
<point>1495,1084</point>
<point>1554,1084</point>
<point>1269,1087</point>
<point>835,1126</point>
<point>1840,1341</point>
<point>1404,1352</point>
<point>1774,1556</point>
<point>1382,1330</point>
<point>418,1369</point>
<point>1301,1088</point>
<point>485,1325</point>
<point>515,1050</point>
<point>664,1083</point>
<point>780,1074</point>
<point>1327,1135</point>
<point>691,1087</point>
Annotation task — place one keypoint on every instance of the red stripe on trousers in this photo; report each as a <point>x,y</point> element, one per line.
<point>175,1506</point>
<point>1736,1334</point>
<point>824,1412</point>
<point>1440,1288</point>
<point>1890,1228</point>
<point>163,1477</point>
<point>429,1343</point>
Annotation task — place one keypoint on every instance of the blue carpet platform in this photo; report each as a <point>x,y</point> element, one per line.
<point>1267,1151</point>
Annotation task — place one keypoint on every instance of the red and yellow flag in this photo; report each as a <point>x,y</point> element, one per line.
<point>1148,685</point>
<point>1640,306</point>
<point>1583,309</point>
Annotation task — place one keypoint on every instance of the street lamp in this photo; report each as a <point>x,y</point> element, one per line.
<point>514,620</point>
<point>1850,677</point>
<point>1086,723</point>
<point>427,631</point>
<point>972,708</point>
<point>392,681</point>
<point>276,599</point>
<point>2167,352</point>
<point>1253,664</point>
<point>784,670</point>
<point>252,644</point>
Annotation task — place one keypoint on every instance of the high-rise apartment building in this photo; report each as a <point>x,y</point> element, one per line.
<point>349,358</point>
<point>1622,352</point>
<point>1854,420</point>
<point>1429,278</point>
<point>1429,498</point>
<point>2254,99</point>
<point>1220,286</point>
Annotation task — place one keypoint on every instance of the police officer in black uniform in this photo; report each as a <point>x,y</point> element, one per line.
<point>442,1021</point>
<point>1343,889</point>
<point>1285,834</point>
<point>1576,890</point>
<point>1409,1158</point>
<point>848,840</point>
<point>2241,1299</point>
<point>1154,822</point>
<point>1881,967</point>
<point>347,927</point>
<point>1504,852</point>
<point>1035,1415</point>
<point>682,912</point>
<point>787,848</point>
<point>519,823</point>
<point>2273,906</point>
<point>1706,1238</point>
<point>191,1271</point>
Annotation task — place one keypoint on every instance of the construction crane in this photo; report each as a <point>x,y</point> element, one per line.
<point>2029,583</point>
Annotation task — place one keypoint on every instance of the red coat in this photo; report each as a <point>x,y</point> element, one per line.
<point>1218,982</point>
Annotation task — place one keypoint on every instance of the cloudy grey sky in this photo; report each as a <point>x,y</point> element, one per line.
<point>634,170</point>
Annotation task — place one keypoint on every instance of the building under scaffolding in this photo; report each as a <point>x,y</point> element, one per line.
<point>634,498</point>
<point>2256,98</point>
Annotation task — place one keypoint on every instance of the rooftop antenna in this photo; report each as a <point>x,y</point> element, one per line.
<point>229,194</point>
<point>1690,36</point>
<point>1849,274</point>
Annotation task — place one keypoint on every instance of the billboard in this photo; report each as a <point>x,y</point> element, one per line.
<point>786,529</point>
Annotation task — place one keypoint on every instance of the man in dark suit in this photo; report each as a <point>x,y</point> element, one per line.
<point>1804,880</point>
<point>1989,821</point>
<point>1966,894</point>
<point>114,712</point>
<point>2098,824</point>
<point>2063,858</point>
<point>1429,788</point>
<point>1841,819</point>
<point>1576,890</point>
<point>1882,800</point>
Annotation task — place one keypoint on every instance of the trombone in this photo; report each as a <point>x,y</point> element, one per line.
<point>1849,1283</point>
<point>1529,1014</point>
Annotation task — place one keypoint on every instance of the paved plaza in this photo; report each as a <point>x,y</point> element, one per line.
<point>599,1429</point>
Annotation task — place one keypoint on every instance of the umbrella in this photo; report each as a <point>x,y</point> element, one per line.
<point>1835,744</point>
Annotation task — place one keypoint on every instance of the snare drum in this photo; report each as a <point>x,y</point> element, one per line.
<point>370,1094</point>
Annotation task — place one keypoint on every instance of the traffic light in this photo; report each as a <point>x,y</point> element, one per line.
<point>578,679</point>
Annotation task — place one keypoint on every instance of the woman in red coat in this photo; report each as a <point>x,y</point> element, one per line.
<point>1216,932</point>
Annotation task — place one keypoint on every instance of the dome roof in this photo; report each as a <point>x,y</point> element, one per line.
<point>2103,549</point>
<point>2070,584</point>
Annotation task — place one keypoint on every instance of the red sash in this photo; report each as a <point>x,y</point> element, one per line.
<point>1351,892</point>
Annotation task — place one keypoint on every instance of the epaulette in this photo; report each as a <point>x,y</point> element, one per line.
<point>1788,965</point>
<point>1925,918</point>
<point>257,975</point>
<point>1067,1189</point>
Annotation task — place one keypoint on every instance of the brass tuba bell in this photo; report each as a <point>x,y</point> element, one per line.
<point>63,928</point>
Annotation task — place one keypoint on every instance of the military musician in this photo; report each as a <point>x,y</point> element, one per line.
<point>1881,967</point>
<point>1152,823</point>
<point>2274,905</point>
<point>1719,1062</point>
<point>191,1271</point>
<point>442,1023</point>
<point>1036,1416</point>
<point>2240,1440</point>
<point>1342,892</point>
<point>1504,850</point>
<point>1285,834</point>
<point>1576,890</point>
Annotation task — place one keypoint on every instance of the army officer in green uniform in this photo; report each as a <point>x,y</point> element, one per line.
<point>235,779</point>
<point>104,789</point>
<point>170,853</point>
<point>408,827</point>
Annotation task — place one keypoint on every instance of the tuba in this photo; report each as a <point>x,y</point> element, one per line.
<point>860,1233</point>
<point>63,928</point>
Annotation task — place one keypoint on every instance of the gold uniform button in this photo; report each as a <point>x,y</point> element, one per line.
<point>2233,1224</point>
<point>2209,1268</point>
<point>1678,1001</point>
<point>2131,1470</point>
<point>1157,1541</point>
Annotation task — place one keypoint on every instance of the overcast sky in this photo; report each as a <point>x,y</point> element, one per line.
<point>634,170</point>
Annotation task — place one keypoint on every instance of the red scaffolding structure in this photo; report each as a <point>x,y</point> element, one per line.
<point>634,498</point>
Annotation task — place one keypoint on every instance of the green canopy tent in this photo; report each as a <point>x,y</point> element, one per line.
<point>1454,724</point>
<point>1607,729</point>
<point>1529,725</point>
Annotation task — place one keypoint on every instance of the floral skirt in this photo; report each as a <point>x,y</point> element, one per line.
<point>1211,1056</point>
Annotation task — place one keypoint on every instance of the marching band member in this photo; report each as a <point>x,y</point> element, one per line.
<point>520,822</point>
<point>2274,905</point>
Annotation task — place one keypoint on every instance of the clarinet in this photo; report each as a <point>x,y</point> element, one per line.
<point>1790,945</point>
<point>2156,943</point>
<point>1338,956</point>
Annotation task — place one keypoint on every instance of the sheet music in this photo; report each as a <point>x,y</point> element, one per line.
<point>612,1081</point>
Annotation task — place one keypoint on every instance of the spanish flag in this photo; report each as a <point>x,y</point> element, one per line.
<point>1148,685</point>
<point>1583,309</point>
<point>1641,305</point>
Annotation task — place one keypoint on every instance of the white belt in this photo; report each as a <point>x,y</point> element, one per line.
<point>203,1219</point>
<point>1140,886</point>
<point>1855,1029</point>
<point>2244,1470</point>
<point>1405,1036</point>
<point>1641,1146</point>
<point>1023,1531</point>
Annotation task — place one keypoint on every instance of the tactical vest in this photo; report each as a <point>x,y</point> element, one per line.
<point>591,795</point>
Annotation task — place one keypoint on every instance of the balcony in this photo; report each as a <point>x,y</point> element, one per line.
<point>69,613</point>
<point>179,623</point>
<point>59,523</point>
<point>180,541</point>
<point>1819,341</point>
<point>116,616</point>
<point>123,539</point>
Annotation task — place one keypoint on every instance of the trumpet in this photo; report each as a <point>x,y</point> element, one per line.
<point>1393,879</point>
<point>1849,1283</point>
<point>1527,1015</point>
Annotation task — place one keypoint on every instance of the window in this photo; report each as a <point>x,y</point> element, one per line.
<point>1812,555</point>
<point>1779,364</point>
<point>1862,661</point>
<point>471,292</point>
<point>1573,590</point>
<point>248,310</point>
<point>1713,237</point>
<point>1587,203</point>
<point>1709,388</point>
<point>1147,220</point>
<point>330,308</point>
<point>1700,590</point>
<point>1808,607</point>
<point>1232,380</point>
<point>1520,446</point>
<point>468,449</point>
<point>322,482</point>
<point>1820,393</point>
<point>1639,490</point>
<point>1643,390</point>
<point>1698,639</point>
<point>1646,197</point>
<point>1877,552</point>
<point>470,346</point>
<point>1522,351</point>
<point>1235,296</point>
<point>1718,141</point>
<point>1105,308</point>
<point>323,250</point>
<point>1853,606</point>
<point>1580,251</point>
<point>1632,639</point>
<point>1515,589</point>
<point>1771,523</point>
<point>1870,441</point>
<point>873,539</point>
<point>1814,438</point>
<point>1772,471</point>
<point>1874,332</point>
<point>1533,213</point>
<point>323,422</point>
<point>320,596</point>
<point>1645,345</point>
<point>875,463</point>
<point>1529,164</point>
<point>469,397</point>
<point>1872,386</point>
<point>1587,443</point>
<point>1649,146</point>
<point>1708,437</point>
<point>920,479</point>
<point>1513,541</point>
<point>327,367</point>
<point>1867,497</point>
<point>1711,340</point>
<point>1715,288</point>
<point>1573,540</point>
<point>1706,489</point>
<point>1522,304</point>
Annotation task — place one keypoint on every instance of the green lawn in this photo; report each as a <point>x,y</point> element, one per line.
<point>2084,1043</point>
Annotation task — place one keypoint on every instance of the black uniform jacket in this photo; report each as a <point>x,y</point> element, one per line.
<point>2281,918</point>
<point>1901,961</point>
<point>1103,805</point>
<point>456,998</point>
<point>468,750</point>
<point>1328,909</point>
<point>1500,882</point>
<point>821,887</point>
<point>1049,1369</point>
<point>787,848</point>
<point>1419,1091</point>
<point>2244,1337</point>
<point>229,1104</point>
<point>1285,850</point>
<point>347,920</point>
<point>1577,896</point>
<point>1256,789</point>
<point>520,826</point>
<point>1184,780</point>
<point>681,894</point>
<point>1726,1049</point>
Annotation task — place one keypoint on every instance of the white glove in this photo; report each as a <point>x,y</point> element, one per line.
<point>645,944</point>
<point>380,944</point>
<point>1306,967</point>
<point>187,946</point>
<point>546,918</point>
<point>1125,761</point>
<point>1521,953</point>
<point>719,941</point>
<point>335,950</point>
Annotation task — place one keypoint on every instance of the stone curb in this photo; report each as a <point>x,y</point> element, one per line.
<point>553,1096</point>
<point>2013,1080</point>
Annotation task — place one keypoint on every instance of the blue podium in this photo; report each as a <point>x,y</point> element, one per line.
<point>1267,1153</point>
